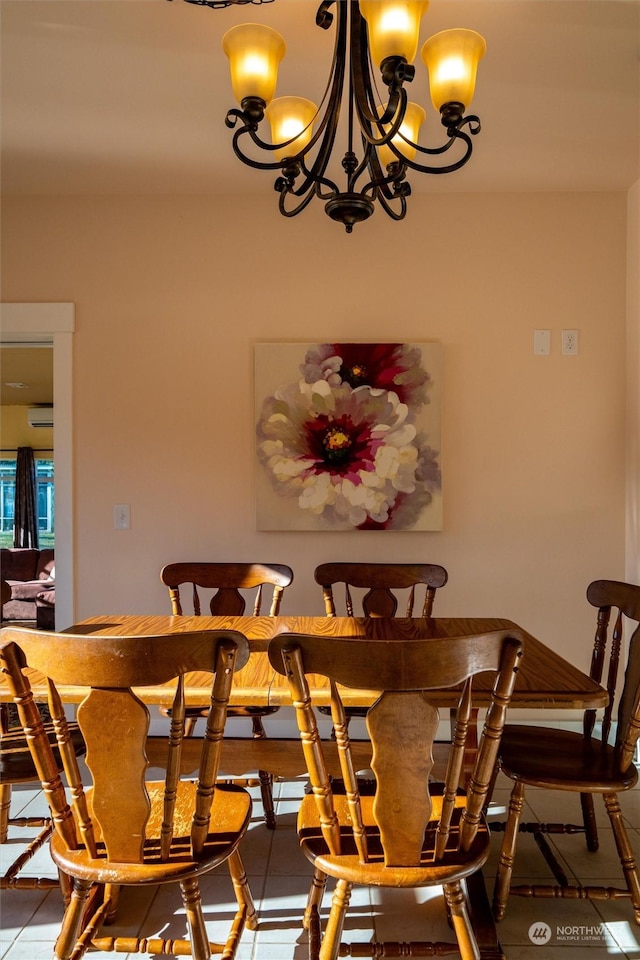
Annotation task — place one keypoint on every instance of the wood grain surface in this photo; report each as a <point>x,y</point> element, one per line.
<point>545,678</point>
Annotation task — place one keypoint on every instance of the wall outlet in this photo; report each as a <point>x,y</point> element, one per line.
<point>121,516</point>
<point>542,343</point>
<point>570,343</point>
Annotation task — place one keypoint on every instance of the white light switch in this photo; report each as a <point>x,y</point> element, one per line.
<point>542,343</point>
<point>121,516</point>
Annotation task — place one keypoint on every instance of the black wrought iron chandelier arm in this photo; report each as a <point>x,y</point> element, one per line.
<point>390,184</point>
<point>400,198</point>
<point>391,119</point>
<point>299,207</point>
<point>300,177</point>
<point>396,71</point>
<point>249,128</point>
<point>456,135</point>
<point>308,180</point>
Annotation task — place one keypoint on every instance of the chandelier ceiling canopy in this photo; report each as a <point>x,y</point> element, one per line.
<point>376,42</point>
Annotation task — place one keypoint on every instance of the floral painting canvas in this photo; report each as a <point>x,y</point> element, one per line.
<point>348,436</point>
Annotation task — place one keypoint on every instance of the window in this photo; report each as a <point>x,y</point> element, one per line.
<point>44,497</point>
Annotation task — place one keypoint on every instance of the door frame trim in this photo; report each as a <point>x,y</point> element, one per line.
<point>57,322</point>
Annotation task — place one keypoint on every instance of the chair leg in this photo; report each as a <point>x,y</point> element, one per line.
<point>112,894</point>
<point>195,919</point>
<point>266,779</point>
<point>314,900</point>
<point>189,726</point>
<point>315,936</point>
<point>258,730</point>
<point>625,852</point>
<point>266,794</point>
<point>5,803</point>
<point>66,886</point>
<point>330,946</point>
<point>242,889</point>
<point>457,908</point>
<point>72,922</point>
<point>507,853</point>
<point>589,820</point>
<point>11,879</point>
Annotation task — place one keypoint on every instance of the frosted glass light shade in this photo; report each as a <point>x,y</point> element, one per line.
<point>410,128</point>
<point>254,53</point>
<point>291,117</point>
<point>452,58</point>
<point>393,27</point>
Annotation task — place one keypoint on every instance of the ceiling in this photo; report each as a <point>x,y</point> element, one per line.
<point>129,96</point>
<point>26,375</point>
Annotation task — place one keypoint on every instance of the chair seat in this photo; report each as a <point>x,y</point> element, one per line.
<point>16,763</point>
<point>454,865</point>
<point>562,760</point>
<point>230,811</point>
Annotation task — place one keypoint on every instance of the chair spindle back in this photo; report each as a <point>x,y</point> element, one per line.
<point>112,820</point>
<point>226,580</point>
<point>623,601</point>
<point>402,725</point>
<point>380,580</point>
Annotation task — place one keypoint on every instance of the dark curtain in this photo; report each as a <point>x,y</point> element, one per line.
<point>25,528</point>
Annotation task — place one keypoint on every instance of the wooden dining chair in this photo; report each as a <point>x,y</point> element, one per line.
<point>17,767</point>
<point>409,832</point>
<point>221,584</point>
<point>581,763</point>
<point>379,580</point>
<point>123,830</point>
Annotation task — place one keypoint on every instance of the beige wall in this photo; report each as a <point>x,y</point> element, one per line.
<point>632,565</point>
<point>172,293</point>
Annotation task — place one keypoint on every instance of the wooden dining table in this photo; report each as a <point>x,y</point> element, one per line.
<point>545,680</point>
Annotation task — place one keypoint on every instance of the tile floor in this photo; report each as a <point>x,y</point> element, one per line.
<point>279,875</point>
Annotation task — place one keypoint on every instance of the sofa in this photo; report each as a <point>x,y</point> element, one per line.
<point>31,575</point>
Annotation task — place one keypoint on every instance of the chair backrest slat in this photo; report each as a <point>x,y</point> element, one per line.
<point>174,755</point>
<point>341,734</point>
<point>402,725</point>
<point>380,580</point>
<point>226,580</point>
<point>12,661</point>
<point>71,769</point>
<point>212,743</point>
<point>312,745</point>
<point>402,765</point>
<point>455,765</point>
<point>482,775</point>
<point>114,723</point>
<point>598,659</point>
<point>612,675</point>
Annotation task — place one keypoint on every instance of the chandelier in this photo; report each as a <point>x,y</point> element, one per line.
<point>376,42</point>
<point>219,4</point>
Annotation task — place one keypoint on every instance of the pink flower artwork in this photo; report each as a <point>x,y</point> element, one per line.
<point>348,436</point>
